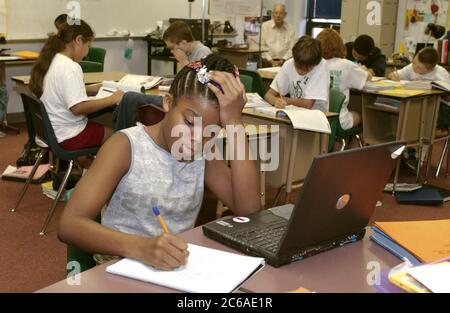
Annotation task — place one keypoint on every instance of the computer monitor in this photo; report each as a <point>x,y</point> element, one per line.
<point>422,45</point>
<point>196,27</point>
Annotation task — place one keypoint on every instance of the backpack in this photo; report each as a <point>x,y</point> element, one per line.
<point>30,154</point>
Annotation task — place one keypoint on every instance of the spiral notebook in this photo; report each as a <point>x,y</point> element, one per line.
<point>208,271</point>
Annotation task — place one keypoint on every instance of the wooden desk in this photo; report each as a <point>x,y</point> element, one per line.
<point>3,64</point>
<point>240,57</point>
<point>268,75</point>
<point>89,78</point>
<point>297,149</point>
<point>345,269</point>
<point>414,122</point>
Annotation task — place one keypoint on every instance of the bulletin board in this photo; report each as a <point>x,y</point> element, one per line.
<point>419,13</point>
<point>235,7</point>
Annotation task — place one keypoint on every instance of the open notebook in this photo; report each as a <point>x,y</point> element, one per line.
<point>301,118</point>
<point>208,271</point>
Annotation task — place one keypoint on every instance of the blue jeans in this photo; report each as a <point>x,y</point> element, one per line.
<point>3,102</point>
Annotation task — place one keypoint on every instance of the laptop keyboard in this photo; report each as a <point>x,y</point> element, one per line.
<point>267,237</point>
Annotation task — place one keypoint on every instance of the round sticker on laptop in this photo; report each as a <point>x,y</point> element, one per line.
<point>241,220</point>
<point>343,201</point>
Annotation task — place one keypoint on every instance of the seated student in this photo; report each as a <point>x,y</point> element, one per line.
<point>180,41</point>
<point>142,166</point>
<point>364,52</point>
<point>305,78</point>
<point>344,74</point>
<point>57,79</point>
<point>425,67</point>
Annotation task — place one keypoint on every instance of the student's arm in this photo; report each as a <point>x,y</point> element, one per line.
<point>181,57</point>
<point>274,99</point>
<point>394,76</point>
<point>238,186</point>
<point>92,106</point>
<point>78,227</point>
<point>93,89</point>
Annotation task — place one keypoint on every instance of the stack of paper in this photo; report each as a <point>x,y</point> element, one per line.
<point>418,241</point>
<point>47,190</point>
<point>301,118</point>
<point>430,278</point>
<point>387,102</point>
<point>443,85</point>
<point>419,84</point>
<point>207,271</point>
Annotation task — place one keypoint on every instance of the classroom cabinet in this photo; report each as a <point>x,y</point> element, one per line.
<point>355,22</point>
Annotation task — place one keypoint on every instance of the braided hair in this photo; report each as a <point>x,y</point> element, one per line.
<point>186,83</point>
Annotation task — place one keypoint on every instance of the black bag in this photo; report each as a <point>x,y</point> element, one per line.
<point>30,154</point>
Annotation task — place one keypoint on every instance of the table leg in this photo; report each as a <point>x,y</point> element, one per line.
<point>291,166</point>
<point>401,129</point>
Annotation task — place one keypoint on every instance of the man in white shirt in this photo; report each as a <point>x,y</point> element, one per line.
<point>278,37</point>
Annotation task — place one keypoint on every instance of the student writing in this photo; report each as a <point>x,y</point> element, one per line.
<point>137,167</point>
<point>305,78</point>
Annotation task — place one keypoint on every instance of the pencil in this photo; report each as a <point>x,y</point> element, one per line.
<point>278,89</point>
<point>160,219</point>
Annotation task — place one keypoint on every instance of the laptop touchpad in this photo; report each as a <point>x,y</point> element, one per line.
<point>284,211</point>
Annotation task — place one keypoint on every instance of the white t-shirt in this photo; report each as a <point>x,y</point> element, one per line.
<point>63,88</point>
<point>278,40</point>
<point>438,73</point>
<point>345,75</point>
<point>312,86</point>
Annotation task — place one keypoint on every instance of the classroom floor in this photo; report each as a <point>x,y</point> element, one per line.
<point>29,262</point>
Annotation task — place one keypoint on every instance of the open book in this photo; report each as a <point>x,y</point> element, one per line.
<point>301,118</point>
<point>134,83</point>
<point>208,271</point>
<point>443,85</point>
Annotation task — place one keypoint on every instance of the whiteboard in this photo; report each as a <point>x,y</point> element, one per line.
<point>235,7</point>
<point>33,19</point>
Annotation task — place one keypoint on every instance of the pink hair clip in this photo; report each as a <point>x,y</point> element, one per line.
<point>195,65</point>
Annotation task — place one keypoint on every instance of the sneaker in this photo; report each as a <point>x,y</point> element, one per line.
<point>2,135</point>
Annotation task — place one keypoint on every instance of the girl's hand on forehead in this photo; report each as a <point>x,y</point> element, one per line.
<point>231,96</point>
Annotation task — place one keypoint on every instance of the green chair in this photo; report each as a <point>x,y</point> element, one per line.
<point>247,81</point>
<point>84,259</point>
<point>91,67</point>
<point>96,55</point>
<point>346,135</point>
<point>257,84</point>
<point>337,100</point>
<point>94,61</point>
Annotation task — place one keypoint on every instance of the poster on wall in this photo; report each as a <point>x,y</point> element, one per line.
<point>235,7</point>
<point>419,13</point>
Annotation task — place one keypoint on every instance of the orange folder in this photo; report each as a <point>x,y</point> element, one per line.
<point>32,55</point>
<point>429,241</point>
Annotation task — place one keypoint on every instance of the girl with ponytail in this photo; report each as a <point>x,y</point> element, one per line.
<point>57,79</point>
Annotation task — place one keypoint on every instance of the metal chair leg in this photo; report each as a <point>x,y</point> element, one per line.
<point>58,196</point>
<point>441,159</point>
<point>358,137</point>
<point>344,144</point>
<point>27,183</point>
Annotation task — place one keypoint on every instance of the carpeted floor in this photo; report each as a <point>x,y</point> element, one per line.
<point>29,261</point>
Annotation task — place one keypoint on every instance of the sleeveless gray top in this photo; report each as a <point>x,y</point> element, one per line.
<point>154,174</point>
